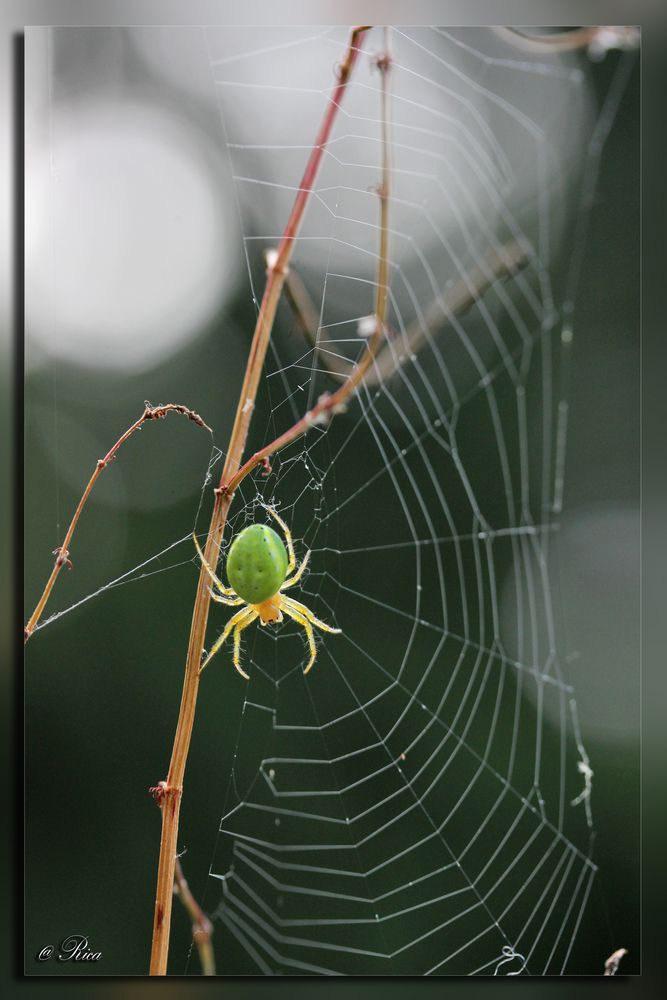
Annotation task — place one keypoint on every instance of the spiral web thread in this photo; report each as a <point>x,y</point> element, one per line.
<point>409,807</point>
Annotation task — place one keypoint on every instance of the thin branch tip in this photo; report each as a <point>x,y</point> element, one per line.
<point>383,62</point>
<point>62,552</point>
<point>162,409</point>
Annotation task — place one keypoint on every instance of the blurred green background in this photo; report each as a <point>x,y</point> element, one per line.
<point>102,684</point>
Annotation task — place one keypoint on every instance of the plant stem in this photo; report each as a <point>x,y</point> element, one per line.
<point>329,404</point>
<point>62,552</point>
<point>202,928</point>
<point>496,265</point>
<point>169,793</point>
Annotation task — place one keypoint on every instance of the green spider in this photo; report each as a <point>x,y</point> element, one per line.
<point>258,568</point>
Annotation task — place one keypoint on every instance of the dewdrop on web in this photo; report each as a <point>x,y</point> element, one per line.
<point>367,326</point>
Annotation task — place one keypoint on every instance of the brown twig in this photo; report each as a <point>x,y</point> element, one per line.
<point>202,928</point>
<point>331,403</point>
<point>497,265</point>
<point>62,553</point>
<point>172,788</point>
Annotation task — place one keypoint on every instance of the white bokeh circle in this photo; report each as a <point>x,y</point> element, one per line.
<point>131,236</point>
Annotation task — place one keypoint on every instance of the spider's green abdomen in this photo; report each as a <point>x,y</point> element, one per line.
<point>257,563</point>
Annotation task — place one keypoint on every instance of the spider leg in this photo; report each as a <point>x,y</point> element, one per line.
<point>231,602</point>
<point>219,584</point>
<point>291,562</point>
<point>308,629</point>
<point>237,642</point>
<point>299,573</point>
<point>289,605</point>
<point>239,618</point>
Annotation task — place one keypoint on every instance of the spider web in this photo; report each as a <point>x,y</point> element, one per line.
<point>420,803</point>
<point>409,807</point>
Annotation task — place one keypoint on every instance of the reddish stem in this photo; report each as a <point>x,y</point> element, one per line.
<point>170,797</point>
<point>62,552</point>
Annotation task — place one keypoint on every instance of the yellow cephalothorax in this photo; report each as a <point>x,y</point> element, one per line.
<point>258,569</point>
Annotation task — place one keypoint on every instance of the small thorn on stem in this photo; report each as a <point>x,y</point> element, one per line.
<point>266,466</point>
<point>62,557</point>
<point>158,791</point>
<point>383,62</point>
<point>162,790</point>
<point>340,71</point>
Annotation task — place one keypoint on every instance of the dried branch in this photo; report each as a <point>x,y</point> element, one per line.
<point>62,553</point>
<point>202,928</point>
<point>172,789</point>
<point>330,404</point>
<point>497,265</point>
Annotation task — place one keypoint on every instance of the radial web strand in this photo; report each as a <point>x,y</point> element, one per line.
<point>422,802</point>
<point>408,807</point>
